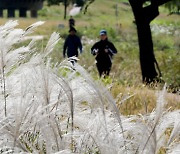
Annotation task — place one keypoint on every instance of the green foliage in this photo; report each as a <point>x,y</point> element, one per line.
<point>80,2</point>
<point>66,3</point>
<point>169,63</point>
<point>54,2</point>
<point>43,12</point>
<point>173,6</point>
<point>77,2</point>
<point>122,32</point>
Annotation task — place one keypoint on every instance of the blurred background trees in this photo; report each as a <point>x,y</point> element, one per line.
<point>66,3</point>
<point>173,6</point>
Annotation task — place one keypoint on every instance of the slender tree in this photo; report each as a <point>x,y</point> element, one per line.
<point>87,5</point>
<point>65,8</point>
<point>67,2</point>
<point>57,2</point>
<point>143,17</point>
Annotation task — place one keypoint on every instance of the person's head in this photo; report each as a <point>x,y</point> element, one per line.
<point>72,31</point>
<point>103,34</point>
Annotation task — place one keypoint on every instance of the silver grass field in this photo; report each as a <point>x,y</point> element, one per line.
<point>60,109</point>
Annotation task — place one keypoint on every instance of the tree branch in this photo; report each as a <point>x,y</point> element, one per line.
<point>161,2</point>
<point>158,2</point>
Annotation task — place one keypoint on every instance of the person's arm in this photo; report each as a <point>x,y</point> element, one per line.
<point>112,50</point>
<point>94,49</point>
<point>64,48</point>
<point>80,45</point>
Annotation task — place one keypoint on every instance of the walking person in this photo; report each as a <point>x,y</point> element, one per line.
<point>104,51</point>
<point>71,22</point>
<point>71,44</point>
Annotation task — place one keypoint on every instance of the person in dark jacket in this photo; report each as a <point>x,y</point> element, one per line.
<point>71,44</point>
<point>71,22</point>
<point>104,51</point>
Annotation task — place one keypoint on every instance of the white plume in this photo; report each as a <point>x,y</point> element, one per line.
<point>61,109</point>
<point>74,11</point>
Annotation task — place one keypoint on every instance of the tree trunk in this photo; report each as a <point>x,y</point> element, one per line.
<point>147,58</point>
<point>143,17</point>
<point>65,8</point>
<point>1,12</point>
<point>34,13</point>
<point>11,13</point>
<point>22,12</point>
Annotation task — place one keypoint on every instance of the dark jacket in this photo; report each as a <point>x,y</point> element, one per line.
<point>103,57</point>
<point>72,43</point>
<point>71,22</point>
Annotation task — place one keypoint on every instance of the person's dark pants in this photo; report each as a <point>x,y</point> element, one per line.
<point>104,69</point>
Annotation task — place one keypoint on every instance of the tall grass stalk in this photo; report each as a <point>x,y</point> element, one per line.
<point>59,108</point>
<point>9,37</point>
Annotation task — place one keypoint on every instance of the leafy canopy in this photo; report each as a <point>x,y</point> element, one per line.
<point>57,2</point>
<point>173,6</point>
